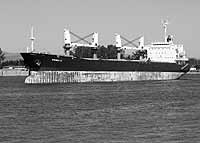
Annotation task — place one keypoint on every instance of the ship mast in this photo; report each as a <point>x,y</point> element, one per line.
<point>165,23</point>
<point>32,38</point>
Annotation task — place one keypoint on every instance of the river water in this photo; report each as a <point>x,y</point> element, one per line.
<point>121,112</point>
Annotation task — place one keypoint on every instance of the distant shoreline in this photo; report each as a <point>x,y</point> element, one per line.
<point>193,73</point>
<point>13,72</point>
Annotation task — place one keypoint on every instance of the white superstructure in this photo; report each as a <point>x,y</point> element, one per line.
<point>165,51</point>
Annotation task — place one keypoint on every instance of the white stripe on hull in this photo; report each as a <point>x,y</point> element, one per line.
<point>97,76</point>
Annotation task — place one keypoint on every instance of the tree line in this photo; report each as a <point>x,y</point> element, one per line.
<point>2,57</point>
<point>109,52</point>
<point>4,62</point>
<point>194,63</point>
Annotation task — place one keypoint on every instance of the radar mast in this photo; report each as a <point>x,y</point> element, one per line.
<point>165,23</point>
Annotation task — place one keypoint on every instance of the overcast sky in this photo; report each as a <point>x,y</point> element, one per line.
<point>130,18</point>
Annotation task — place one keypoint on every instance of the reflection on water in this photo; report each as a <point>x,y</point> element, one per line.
<point>142,111</point>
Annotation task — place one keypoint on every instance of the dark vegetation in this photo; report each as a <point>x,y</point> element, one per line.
<point>109,52</point>
<point>13,63</point>
<point>194,63</point>
<point>2,57</point>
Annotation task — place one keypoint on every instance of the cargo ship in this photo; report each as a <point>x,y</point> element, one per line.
<point>156,61</point>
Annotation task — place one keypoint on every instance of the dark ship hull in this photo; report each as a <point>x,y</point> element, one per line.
<point>46,68</point>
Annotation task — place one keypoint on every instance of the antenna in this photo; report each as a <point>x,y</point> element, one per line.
<point>165,23</point>
<point>32,38</point>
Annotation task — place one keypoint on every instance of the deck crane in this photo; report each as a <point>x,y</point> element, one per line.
<point>70,45</point>
<point>122,47</point>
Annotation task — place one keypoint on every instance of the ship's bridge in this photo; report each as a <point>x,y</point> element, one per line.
<point>165,52</point>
